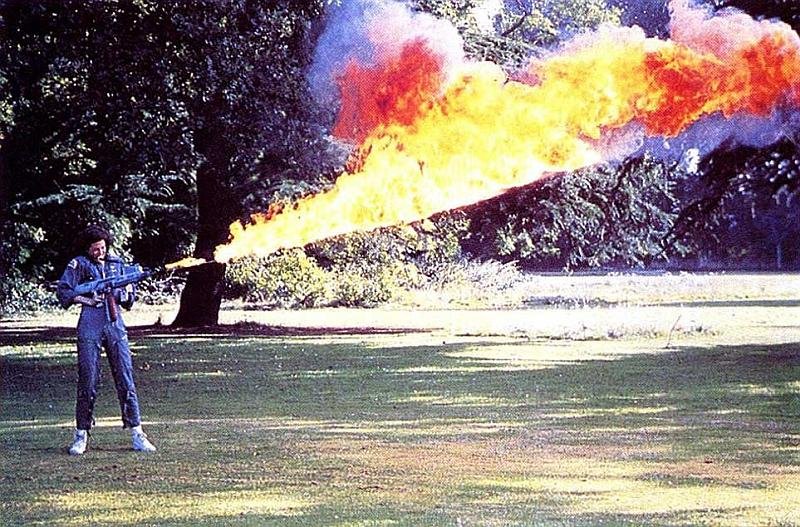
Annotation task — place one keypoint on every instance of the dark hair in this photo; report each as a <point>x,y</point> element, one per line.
<point>94,233</point>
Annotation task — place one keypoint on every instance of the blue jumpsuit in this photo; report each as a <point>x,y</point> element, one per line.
<point>96,330</point>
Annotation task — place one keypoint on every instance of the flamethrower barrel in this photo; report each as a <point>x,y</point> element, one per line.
<point>113,282</point>
<point>130,275</point>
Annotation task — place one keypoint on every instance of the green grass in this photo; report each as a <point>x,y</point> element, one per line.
<point>274,426</point>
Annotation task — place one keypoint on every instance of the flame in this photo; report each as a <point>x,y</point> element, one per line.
<point>185,262</point>
<point>435,136</point>
<point>399,92</point>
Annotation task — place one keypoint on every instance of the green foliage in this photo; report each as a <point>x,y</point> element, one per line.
<point>591,218</point>
<point>21,296</point>
<point>516,31</point>
<point>481,40</point>
<point>80,146</point>
<point>159,291</point>
<point>426,245</point>
<point>741,210</point>
<point>437,242</point>
<point>369,268</point>
<point>175,118</point>
<point>18,293</point>
<point>544,23</point>
<point>358,269</point>
<point>285,279</point>
<point>459,12</point>
<point>352,288</point>
<point>17,243</point>
<point>746,213</point>
<point>378,266</point>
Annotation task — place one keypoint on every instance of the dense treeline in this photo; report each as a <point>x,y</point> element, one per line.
<point>167,121</point>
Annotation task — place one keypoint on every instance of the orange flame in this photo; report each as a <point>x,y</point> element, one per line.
<point>428,146</point>
<point>185,262</point>
<point>399,92</point>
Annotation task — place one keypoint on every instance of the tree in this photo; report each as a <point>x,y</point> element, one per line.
<point>76,147</point>
<point>594,217</point>
<point>743,209</point>
<point>245,106</point>
<point>746,194</point>
<point>518,29</point>
<point>126,111</point>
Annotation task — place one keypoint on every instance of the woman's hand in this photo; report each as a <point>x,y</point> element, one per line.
<point>94,301</point>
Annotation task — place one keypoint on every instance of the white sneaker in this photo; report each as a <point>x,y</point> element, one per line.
<point>140,442</point>
<point>79,443</point>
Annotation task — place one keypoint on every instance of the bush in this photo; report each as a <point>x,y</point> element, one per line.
<point>368,268</point>
<point>22,290</point>
<point>438,241</point>
<point>285,279</point>
<point>19,296</point>
<point>378,266</point>
<point>160,290</point>
<point>595,217</point>
<point>359,269</point>
<point>470,283</point>
<point>353,286</point>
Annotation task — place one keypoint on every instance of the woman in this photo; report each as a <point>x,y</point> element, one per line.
<point>101,326</point>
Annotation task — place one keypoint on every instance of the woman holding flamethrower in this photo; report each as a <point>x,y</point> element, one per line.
<point>101,326</point>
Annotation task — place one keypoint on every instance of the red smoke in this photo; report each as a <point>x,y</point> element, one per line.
<point>398,91</point>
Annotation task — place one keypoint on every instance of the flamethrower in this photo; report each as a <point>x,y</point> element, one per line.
<point>130,274</point>
<point>103,289</point>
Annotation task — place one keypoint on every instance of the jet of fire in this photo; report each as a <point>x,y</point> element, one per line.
<point>185,263</point>
<point>437,133</point>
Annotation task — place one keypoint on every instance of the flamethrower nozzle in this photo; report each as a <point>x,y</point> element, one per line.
<point>186,263</point>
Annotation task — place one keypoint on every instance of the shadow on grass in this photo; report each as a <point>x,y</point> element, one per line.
<point>15,335</point>
<point>786,302</point>
<point>239,412</point>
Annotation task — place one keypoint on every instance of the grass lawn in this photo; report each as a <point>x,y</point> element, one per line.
<point>673,413</point>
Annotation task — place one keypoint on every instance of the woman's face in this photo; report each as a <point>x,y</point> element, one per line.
<point>97,251</point>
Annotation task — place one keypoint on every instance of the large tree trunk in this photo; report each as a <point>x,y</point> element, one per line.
<point>216,210</point>
<point>202,297</point>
